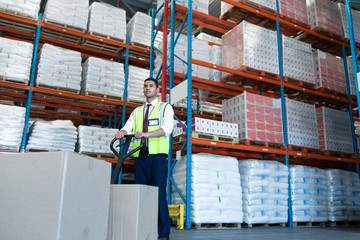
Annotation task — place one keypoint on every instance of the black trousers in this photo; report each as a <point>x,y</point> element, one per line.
<point>151,170</point>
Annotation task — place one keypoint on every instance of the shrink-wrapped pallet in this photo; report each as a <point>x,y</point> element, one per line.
<point>136,83</point>
<point>215,188</point>
<point>139,29</point>
<point>330,73</point>
<point>355,21</point>
<point>67,12</point>
<point>264,191</point>
<point>240,50</point>
<point>11,126</point>
<point>107,20</point>
<point>197,5</point>
<point>59,67</point>
<point>294,9</point>
<point>353,193</point>
<point>324,16</point>
<point>52,135</point>
<point>351,75</point>
<point>301,124</point>
<point>95,139</point>
<point>102,77</point>
<point>215,57</point>
<point>15,60</point>
<point>27,8</point>
<point>259,117</point>
<point>270,4</point>
<point>334,130</point>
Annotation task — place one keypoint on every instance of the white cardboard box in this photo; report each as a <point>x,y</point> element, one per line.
<point>133,212</point>
<point>53,195</point>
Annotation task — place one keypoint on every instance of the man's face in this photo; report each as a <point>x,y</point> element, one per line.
<point>150,89</point>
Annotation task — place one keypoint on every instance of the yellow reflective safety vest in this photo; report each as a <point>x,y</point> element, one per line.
<point>156,145</point>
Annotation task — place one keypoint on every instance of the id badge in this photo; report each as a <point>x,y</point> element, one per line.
<point>153,122</point>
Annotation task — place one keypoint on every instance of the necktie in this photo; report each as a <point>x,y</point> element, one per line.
<point>145,124</point>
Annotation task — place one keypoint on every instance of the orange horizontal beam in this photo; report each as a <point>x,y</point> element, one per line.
<point>20,86</point>
<point>321,157</point>
<point>18,19</point>
<point>203,24</point>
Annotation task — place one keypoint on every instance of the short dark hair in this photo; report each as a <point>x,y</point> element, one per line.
<point>154,80</point>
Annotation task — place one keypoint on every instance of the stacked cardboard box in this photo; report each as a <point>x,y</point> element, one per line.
<point>29,8</point>
<point>324,16</point>
<point>216,195</point>
<point>298,60</point>
<point>11,126</point>
<point>334,130</point>
<point>59,67</point>
<point>15,59</point>
<point>259,117</point>
<point>271,4</point>
<point>95,139</point>
<point>301,124</point>
<point>107,20</point>
<point>294,9</point>
<point>67,12</point>
<point>239,48</point>
<point>102,77</point>
<point>355,21</point>
<point>330,73</point>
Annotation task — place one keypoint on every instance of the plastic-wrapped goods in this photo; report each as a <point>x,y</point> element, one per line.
<point>11,126</point>
<point>107,20</point>
<point>259,117</point>
<point>298,60</point>
<point>355,21</point>
<point>240,50</point>
<point>353,193</point>
<point>68,12</point>
<point>59,67</point>
<point>139,29</point>
<point>136,83</point>
<point>351,75</point>
<point>203,106</point>
<point>337,195</point>
<point>103,77</point>
<point>308,194</point>
<point>15,59</point>
<point>271,4</point>
<point>264,191</point>
<point>52,135</point>
<point>215,188</point>
<point>301,124</point>
<point>294,9</point>
<point>197,5</point>
<point>95,139</point>
<point>29,8</point>
<point>324,16</point>
<point>215,57</point>
<point>334,130</point>
<point>209,38</point>
<point>330,72</point>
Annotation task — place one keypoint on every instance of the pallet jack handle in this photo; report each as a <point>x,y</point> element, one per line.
<point>122,154</point>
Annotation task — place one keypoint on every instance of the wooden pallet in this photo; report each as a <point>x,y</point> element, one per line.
<point>68,90</point>
<point>102,45</point>
<point>87,93</point>
<point>266,225</point>
<point>139,45</point>
<point>135,101</point>
<point>62,35</point>
<point>100,155</point>
<point>303,149</point>
<point>300,83</point>
<point>178,23</point>
<point>246,81</point>
<point>203,226</point>
<point>249,142</point>
<point>3,79</point>
<point>339,154</point>
<point>179,139</point>
<point>309,224</point>
<point>217,138</point>
<point>18,25</point>
<point>340,224</point>
<point>39,150</point>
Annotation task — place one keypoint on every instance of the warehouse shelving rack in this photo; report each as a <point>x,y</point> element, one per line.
<point>333,44</point>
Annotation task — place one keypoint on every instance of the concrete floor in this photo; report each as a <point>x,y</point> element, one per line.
<point>271,233</point>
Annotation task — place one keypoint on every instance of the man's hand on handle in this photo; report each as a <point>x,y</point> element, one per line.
<point>139,135</point>
<point>121,134</point>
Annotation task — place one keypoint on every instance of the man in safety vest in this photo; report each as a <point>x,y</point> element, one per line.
<point>154,121</point>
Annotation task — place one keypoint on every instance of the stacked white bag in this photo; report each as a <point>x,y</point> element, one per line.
<point>353,193</point>
<point>59,67</point>
<point>103,77</point>
<point>95,139</point>
<point>139,29</point>
<point>136,83</point>
<point>265,191</point>
<point>308,194</point>
<point>337,194</point>
<point>15,59</point>
<point>107,20</point>
<point>11,126</point>
<point>28,8</point>
<point>52,135</point>
<point>67,12</point>
<point>215,188</point>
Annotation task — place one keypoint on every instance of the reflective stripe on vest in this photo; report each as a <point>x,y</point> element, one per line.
<point>155,145</point>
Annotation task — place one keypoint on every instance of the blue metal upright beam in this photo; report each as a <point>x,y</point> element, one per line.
<point>188,119</point>
<point>31,83</point>
<point>283,110</point>
<point>354,63</point>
